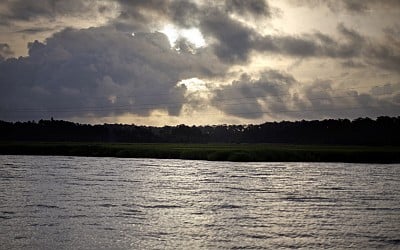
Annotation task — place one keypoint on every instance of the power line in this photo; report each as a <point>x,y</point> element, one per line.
<point>231,89</point>
<point>135,109</point>
<point>145,106</point>
<point>283,111</point>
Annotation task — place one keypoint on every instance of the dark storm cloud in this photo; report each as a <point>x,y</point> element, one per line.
<point>252,7</point>
<point>315,45</point>
<point>354,6</point>
<point>29,10</point>
<point>132,13</point>
<point>101,71</point>
<point>185,13</point>
<point>322,100</point>
<point>140,15</point>
<point>351,46</point>
<point>107,71</point>
<point>234,43</point>
<point>279,95</point>
<point>384,56</point>
<point>230,39</point>
<point>234,40</point>
<point>250,98</point>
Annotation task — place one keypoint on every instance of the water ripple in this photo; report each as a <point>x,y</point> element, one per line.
<point>91,203</point>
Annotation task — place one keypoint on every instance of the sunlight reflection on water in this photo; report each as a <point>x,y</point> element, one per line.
<point>90,203</point>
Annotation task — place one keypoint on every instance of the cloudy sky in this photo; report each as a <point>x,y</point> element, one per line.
<point>159,62</point>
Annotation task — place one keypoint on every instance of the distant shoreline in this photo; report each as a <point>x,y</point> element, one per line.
<point>211,152</point>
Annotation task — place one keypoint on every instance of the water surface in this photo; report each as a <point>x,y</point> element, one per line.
<point>49,202</point>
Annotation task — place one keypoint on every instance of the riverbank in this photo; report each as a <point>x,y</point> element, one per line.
<point>211,152</point>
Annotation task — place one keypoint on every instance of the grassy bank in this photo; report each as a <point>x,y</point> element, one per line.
<point>212,152</point>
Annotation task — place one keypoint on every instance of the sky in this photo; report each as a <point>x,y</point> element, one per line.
<point>169,62</point>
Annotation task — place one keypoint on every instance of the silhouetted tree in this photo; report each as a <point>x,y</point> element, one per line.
<point>361,131</point>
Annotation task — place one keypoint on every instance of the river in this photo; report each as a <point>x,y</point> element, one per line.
<point>49,202</point>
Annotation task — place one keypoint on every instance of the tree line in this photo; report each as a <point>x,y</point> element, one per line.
<point>361,131</point>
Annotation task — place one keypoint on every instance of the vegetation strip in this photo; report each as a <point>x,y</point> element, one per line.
<point>211,152</point>
<point>361,131</point>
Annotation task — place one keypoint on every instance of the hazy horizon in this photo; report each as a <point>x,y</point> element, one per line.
<point>200,125</point>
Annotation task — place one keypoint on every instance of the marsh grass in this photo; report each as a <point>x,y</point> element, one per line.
<point>211,152</point>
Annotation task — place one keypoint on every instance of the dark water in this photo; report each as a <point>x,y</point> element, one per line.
<point>108,203</point>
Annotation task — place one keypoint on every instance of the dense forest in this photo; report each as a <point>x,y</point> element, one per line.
<point>361,131</point>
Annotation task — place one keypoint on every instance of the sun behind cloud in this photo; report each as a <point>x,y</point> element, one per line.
<point>193,35</point>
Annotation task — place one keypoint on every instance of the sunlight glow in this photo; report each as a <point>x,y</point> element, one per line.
<point>193,84</point>
<point>193,35</point>
<point>171,32</point>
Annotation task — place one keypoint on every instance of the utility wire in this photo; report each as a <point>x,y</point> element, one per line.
<point>150,106</point>
<point>232,89</point>
<point>283,111</point>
